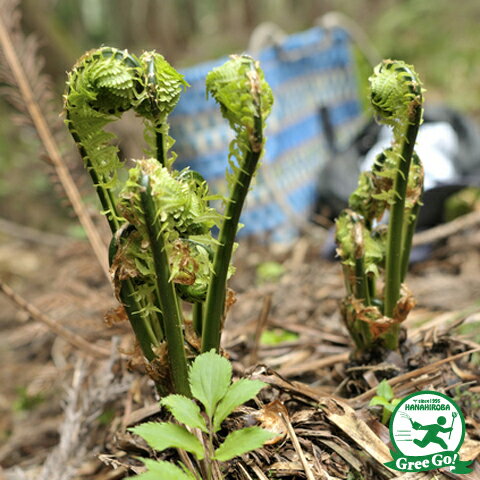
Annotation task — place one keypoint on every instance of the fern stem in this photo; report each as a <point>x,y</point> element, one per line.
<point>159,145</point>
<point>156,321</point>
<point>371,285</point>
<point>140,325</point>
<point>393,270</point>
<point>408,233</point>
<point>167,296</point>
<point>197,314</point>
<point>215,303</point>
<point>361,285</point>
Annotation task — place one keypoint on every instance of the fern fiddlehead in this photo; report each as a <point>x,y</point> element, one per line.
<point>396,94</point>
<point>245,100</point>
<point>395,184</point>
<point>162,86</point>
<point>101,86</point>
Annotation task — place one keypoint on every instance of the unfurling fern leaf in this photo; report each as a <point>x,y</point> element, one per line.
<point>395,91</point>
<point>102,85</point>
<point>395,184</point>
<point>245,100</point>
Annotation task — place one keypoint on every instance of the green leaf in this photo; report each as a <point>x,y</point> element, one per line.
<point>395,402</point>
<point>237,394</point>
<point>386,414</point>
<point>164,470</point>
<point>389,408</point>
<point>385,390</point>
<point>376,400</point>
<point>277,336</point>
<point>242,441</point>
<point>161,436</point>
<point>269,272</point>
<point>185,411</point>
<point>210,377</point>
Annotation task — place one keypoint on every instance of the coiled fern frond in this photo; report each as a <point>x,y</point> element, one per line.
<point>395,91</point>
<point>244,97</point>
<point>186,222</point>
<point>102,85</point>
<point>245,100</point>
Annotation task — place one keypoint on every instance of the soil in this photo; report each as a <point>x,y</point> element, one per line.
<point>61,406</point>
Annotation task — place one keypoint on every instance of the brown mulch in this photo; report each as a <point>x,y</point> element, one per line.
<point>52,391</point>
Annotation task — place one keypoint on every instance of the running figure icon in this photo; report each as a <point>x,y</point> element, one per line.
<point>432,432</point>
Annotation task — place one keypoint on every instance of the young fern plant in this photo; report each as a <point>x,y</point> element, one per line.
<point>210,378</point>
<point>375,256</point>
<point>245,100</point>
<point>162,252</point>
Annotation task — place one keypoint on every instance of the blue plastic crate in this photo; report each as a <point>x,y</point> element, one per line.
<point>308,72</point>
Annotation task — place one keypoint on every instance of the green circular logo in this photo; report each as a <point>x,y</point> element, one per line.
<point>427,429</point>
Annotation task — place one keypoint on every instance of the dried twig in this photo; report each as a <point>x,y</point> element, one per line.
<point>30,234</point>
<point>297,446</point>
<point>445,230</point>
<point>358,400</point>
<point>18,76</point>
<point>260,327</point>
<point>245,472</point>
<point>314,365</point>
<point>60,330</point>
<point>259,473</point>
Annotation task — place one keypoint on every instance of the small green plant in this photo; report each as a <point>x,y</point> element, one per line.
<point>277,336</point>
<point>25,401</point>
<point>386,399</point>
<point>162,251</point>
<point>468,400</point>
<point>373,310</point>
<point>460,203</point>
<point>210,378</point>
<point>269,272</point>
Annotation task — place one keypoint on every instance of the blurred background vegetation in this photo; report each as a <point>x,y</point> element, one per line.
<point>439,37</point>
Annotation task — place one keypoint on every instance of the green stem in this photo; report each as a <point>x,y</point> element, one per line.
<point>168,301</point>
<point>371,286</point>
<point>393,261</point>
<point>408,238</point>
<point>159,145</point>
<point>197,313</point>
<point>151,81</point>
<point>140,325</point>
<point>361,286</point>
<point>210,449</point>
<point>347,276</point>
<point>156,321</point>
<point>215,303</point>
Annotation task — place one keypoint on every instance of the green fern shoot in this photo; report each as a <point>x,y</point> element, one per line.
<point>162,252</point>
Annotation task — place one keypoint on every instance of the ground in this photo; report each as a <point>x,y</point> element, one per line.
<point>52,390</point>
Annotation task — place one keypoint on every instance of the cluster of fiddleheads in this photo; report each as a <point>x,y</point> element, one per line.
<point>102,85</point>
<point>367,247</point>
<point>162,250</point>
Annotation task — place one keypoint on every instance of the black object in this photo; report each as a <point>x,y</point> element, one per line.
<point>340,176</point>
